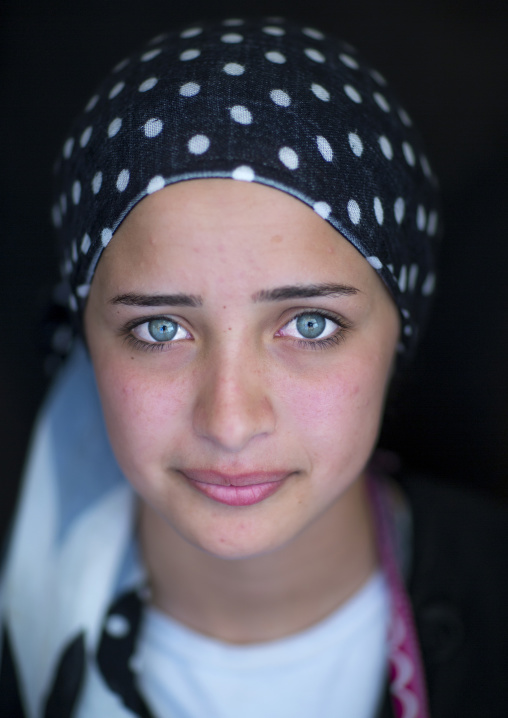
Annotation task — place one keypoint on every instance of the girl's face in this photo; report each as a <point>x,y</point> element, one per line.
<point>242,350</point>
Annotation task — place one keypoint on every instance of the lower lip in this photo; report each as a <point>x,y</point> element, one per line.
<point>238,495</point>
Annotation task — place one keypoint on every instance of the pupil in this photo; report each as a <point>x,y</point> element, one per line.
<point>310,326</point>
<point>162,329</point>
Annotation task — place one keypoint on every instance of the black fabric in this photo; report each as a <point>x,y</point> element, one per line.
<point>68,681</point>
<point>116,649</point>
<point>257,100</point>
<point>459,591</point>
<point>10,695</point>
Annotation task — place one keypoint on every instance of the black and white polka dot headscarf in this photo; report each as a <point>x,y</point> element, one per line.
<point>267,101</point>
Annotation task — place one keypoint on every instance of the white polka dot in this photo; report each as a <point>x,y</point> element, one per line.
<point>404,311</point>
<point>378,77</point>
<point>147,56</point>
<point>356,144</point>
<point>190,89</point>
<point>96,182</point>
<point>116,90</point>
<point>106,235</point>
<point>117,626</point>
<point>243,173</point>
<point>325,148</point>
<point>352,93</point>
<point>122,180</point>
<point>280,98</point>
<point>155,184</point>
<point>429,284</point>
<point>73,303</point>
<point>353,211</point>
<point>408,330</point>
<point>241,114</point>
<point>63,203</point>
<point>403,278</point>
<point>421,217</point>
<point>91,103</point>
<point>67,148</point>
<point>378,211</point>
<point>381,101</point>
<point>56,216</point>
<point>408,153</point>
<point>315,55</point>
<point>413,276</point>
<point>74,252</point>
<point>232,38</point>
<point>85,243</point>
<point>153,127</point>
<point>76,192</point>
<point>399,209</point>
<point>191,32</point>
<point>190,54</point>
<point>432,223</point>
<point>275,31</point>
<point>233,22</point>
<point>288,157</point>
<point>275,56</point>
<point>233,68</point>
<point>349,61</point>
<point>406,120</point>
<point>198,144</point>
<point>323,209</point>
<point>313,33</point>
<point>83,291</point>
<point>114,127</point>
<point>121,65</point>
<point>320,92</point>
<point>148,84</point>
<point>425,167</point>
<point>386,147</point>
<point>85,136</point>
<point>375,262</point>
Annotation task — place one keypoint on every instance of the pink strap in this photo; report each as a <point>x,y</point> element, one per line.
<point>406,674</point>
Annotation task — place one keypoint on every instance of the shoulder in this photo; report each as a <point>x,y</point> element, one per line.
<point>459,589</point>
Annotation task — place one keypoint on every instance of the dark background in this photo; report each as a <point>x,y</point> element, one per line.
<point>449,62</point>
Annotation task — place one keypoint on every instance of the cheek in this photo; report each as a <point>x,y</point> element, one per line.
<point>142,412</point>
<point>339,408</point>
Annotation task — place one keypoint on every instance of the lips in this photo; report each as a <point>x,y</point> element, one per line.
<point>236,489</point>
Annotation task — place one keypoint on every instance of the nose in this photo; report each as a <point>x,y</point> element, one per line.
<point>233,406</point>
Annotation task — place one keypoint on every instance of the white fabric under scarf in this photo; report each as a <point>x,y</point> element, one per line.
<point>337,667</point>
<point>72,530</point>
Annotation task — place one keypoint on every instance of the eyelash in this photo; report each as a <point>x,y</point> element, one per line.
<point>337,338</point>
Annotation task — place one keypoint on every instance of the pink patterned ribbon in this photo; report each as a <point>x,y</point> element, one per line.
<point>406,674</point>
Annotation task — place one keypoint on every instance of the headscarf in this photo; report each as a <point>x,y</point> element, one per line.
<point>263,101</point>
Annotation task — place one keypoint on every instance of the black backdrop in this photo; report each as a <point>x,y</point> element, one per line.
<point>448,61</point>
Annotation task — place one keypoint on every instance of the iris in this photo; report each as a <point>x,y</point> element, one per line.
<point>311,326</point>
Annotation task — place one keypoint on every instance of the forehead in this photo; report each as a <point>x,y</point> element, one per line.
<point>195,229</point>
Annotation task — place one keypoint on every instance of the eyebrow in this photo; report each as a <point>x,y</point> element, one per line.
<point>278,294</point>
<point>158,300</point>
<point>302,291</point>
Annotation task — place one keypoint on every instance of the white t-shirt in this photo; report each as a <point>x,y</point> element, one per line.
<point>334,668</point>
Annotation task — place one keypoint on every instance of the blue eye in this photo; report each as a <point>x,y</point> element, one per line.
<point>159,330</point>
<point>162,330</point>
<point>311,326</point>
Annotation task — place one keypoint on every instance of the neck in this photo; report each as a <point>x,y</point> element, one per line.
<point>264,597</point>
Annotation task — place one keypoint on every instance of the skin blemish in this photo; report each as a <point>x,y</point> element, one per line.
<point>277,239</point>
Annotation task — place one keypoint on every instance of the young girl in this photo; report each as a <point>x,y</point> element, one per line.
<point>248,223</point>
